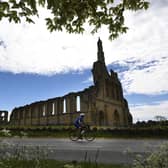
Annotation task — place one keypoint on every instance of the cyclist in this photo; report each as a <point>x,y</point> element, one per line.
<point>79,124</point>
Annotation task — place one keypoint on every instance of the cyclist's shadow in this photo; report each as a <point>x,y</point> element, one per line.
<point>83,141</point>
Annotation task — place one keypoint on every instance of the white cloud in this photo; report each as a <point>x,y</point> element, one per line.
<point>146,112</point>
<point>147,40</point>
<point>150,80</point>
<point>32,49</point>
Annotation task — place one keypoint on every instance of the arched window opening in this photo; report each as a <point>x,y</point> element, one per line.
<point>78,108</point>
<point>53,108</point>
<point>64,106</point>
<point>3,114</point>
<point>101,118</point>
<point>44,111</point>
<point>116,118</point>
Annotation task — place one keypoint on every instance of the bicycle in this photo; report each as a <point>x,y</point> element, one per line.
<point>86,133</point>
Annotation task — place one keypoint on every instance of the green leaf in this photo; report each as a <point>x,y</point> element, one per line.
<point>41,2</point>
<point>29,20</point>
<point>4,6</point>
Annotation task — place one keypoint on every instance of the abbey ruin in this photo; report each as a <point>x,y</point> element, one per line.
<point>103,103</point>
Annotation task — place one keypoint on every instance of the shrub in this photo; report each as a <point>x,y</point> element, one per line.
<point>157,159</point>
<point>5,132</point>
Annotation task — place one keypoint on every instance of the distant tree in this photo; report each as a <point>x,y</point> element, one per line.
<point>71,15</point>
<point>160,118</point>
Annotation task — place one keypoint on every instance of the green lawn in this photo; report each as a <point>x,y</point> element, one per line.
<point>15,163</point>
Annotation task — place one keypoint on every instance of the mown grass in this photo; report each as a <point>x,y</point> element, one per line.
<point>15,163</point>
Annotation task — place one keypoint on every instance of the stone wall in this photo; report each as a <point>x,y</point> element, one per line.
<point>63,111</point>
<point>56,111</point>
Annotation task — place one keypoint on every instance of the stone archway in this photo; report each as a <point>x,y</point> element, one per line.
<point>116,118</point>
<point>101,118</point>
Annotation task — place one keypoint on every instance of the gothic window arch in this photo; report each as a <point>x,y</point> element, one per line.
<point>101,118</point>
<point>64,105</point>
<point>78,101</point>
<point>2,114</point>
<point>44,111</point>
<point>116,118</point>
<point>53,109</point>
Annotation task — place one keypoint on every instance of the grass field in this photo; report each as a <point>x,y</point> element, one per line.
<point>15,163</point>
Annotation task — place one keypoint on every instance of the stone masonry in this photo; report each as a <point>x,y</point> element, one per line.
<point>103,103</point>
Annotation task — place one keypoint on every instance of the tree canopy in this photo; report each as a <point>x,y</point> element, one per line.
<point>160,118</point>
<point>71,15</point>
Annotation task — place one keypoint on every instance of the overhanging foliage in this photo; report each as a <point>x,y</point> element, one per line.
<point>72,14</point>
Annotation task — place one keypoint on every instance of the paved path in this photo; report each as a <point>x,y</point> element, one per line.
<point>100,150</point>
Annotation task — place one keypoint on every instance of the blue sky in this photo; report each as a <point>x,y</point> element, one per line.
<point>37,65</point>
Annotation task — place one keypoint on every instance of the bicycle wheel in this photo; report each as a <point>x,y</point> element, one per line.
<point>73,135</point>
<point>89,135</point>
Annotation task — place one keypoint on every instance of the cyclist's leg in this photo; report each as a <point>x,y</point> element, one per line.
<point>78,130</point>
<point>82,130</point>
<point>74,134</point>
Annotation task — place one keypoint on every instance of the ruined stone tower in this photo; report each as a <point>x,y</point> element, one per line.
<point>103,103</point>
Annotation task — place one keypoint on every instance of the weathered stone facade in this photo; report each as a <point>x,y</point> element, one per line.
<point>103,103</point>
<point>3,117</point>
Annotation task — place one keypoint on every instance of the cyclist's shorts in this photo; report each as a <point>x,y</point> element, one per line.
<point>77,125</point>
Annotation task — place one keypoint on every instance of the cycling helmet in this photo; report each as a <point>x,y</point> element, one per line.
<point>82,114</point>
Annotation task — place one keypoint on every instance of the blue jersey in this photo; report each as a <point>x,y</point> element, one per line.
<point>78,121</point>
